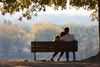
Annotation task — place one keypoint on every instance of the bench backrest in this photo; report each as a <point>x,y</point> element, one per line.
<point>54,46</point>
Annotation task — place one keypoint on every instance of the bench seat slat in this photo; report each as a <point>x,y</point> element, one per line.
<point>54,46</point>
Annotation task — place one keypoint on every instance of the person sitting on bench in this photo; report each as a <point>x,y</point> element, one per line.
<point>69,38</point>
<point>57,39</point>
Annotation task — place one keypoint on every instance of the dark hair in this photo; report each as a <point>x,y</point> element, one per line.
<point>66,29</point>
<point>57,36</point>
<point>62,34</point>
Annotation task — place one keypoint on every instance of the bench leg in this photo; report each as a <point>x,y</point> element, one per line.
<point>34,56</point>
<point>74,56</point>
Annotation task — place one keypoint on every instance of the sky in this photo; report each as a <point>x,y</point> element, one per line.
<point>59,17</point>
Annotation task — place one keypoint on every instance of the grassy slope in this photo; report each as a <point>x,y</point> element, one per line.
<point>94,58</point>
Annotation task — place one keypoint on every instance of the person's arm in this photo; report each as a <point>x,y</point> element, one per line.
<point>73,37</point>
<point>53,40</point>
<point>61,38</point>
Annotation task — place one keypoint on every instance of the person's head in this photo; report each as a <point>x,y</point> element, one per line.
<point>57,37</point>
<point>62,34</point>
<point>66,29</point>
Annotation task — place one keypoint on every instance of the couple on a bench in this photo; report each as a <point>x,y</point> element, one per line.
<point>64,36</point>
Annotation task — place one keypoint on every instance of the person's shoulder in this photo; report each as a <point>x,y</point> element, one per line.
<point>71,34</point>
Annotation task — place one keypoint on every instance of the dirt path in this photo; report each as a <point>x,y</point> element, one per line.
<point>46,64</point>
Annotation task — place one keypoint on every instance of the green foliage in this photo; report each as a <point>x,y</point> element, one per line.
<point>10,6</point>
<point>10,1</point>
<point>86,4</point>
<point>31,7</point>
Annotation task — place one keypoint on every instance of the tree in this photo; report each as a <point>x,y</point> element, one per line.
<point>90,5</point>
<point>30,7</point>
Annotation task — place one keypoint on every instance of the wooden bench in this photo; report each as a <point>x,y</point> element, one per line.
<point>54,47</point>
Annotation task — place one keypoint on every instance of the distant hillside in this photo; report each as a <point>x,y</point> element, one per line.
<point>12,39</point>
<point>15,40</point>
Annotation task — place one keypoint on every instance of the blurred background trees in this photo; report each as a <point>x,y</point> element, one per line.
<point>32,7</point>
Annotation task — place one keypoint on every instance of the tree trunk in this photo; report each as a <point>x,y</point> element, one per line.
<point>99,23</point>
<point>96,58</point>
